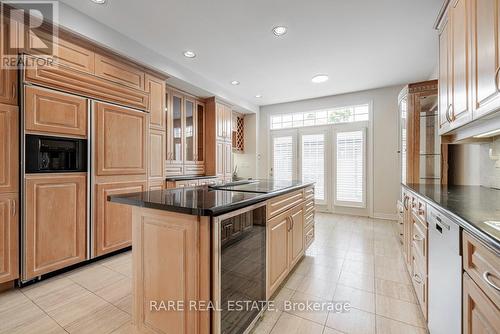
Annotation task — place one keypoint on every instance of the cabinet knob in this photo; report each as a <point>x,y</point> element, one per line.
<point>496,79</point>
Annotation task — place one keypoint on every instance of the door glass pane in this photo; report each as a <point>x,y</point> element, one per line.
<point>350,167</point>
<point>200,128</point>
<point>177,128</point>
<point>283,158</point>
<point>188,131</point>
<point>313,162</point>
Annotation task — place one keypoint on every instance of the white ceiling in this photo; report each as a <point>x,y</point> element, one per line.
<point>360,44</point>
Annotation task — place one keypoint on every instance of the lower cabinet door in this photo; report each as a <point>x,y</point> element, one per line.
<point>113,222</point>
<point>480,314</point>
<point>277,230</point>
<point>296,242</point>
<point>56,222</point>
<point>9,237</point>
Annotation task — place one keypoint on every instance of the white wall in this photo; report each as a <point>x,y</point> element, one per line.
<point>385,183</point>
<point>463,164</point>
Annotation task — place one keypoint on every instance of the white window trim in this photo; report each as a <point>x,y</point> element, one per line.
<point>363,204</point>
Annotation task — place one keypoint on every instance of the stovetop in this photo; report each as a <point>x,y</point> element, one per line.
<point>258,186</point>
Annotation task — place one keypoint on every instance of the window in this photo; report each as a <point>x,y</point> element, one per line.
<point>313,162</point>
<point>283,153</point>
<point>350,168</point>
<point>348,114</point>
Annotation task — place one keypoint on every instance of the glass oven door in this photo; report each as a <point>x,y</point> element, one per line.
<point>239,269</point>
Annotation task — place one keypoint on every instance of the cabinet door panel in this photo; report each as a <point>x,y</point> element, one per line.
<point>176,125</point>
<point>8,78</point>
<point>55,113</point>
<point>296,235</point>
<point>113,222</point>
<point>55,222</point>
<point>120,140</point>
<point>189,131</point>
<point>65,52</point>
<point>119,71</point>
<point>444,77</point>
<point>9,243</point>
<point>9,149</point>
<point>278,251</point>
<point>219,156</point>
<point>156,89</point>
<point>460,111</point>
<point>480,315</point>
<point>485,56</point>
<point>228,160</point>
<point>157,149</point>
<point>200,133</point>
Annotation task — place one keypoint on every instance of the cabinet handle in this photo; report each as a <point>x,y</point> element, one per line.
<point>448,113</point>
<point>289,224</point>
<point>421,212</point>
<point>14,209</point>
<point>405,202</point>
<point>14,90</point>
<point>417,238</point>
<point>490,283</point>
<point>496,79</point>
<point>417,279</point>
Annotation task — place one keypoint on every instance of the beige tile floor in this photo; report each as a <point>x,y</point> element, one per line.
<point>352,259</point>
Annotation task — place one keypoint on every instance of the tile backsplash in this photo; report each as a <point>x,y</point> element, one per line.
<point>490,169</point>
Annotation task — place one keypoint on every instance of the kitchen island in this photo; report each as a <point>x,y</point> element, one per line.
<point>199,251</point>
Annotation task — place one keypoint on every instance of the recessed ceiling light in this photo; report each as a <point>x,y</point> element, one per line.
<point>279,30</point>
<point>99,2</point>
<point>319,78</point>
<point>189,54</point>
<point>235,82</point>
<point>258,96</point>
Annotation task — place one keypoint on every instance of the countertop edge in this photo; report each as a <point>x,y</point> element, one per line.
<point>489,241</point>
<point>211,212</point>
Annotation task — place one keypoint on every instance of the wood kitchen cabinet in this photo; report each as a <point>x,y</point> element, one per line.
<point>485,56</point>
<point>480,314</point>
<point>51,112</point>
<point>9,237</point>
<point>56,222</point>
<point>9,149</point>
<point>120,140</point>
<point>157,153</point>
<point>119,71</point>
<point>157,102</point>
<point>286,238</point>
<point>113,222</point>
<point>185,134</point>
<point>218,139</point>
<point>8,78</point>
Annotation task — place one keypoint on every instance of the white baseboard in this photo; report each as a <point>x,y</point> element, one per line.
<point>387,216</point>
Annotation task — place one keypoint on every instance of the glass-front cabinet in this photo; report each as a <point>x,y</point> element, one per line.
<point>185,133</point>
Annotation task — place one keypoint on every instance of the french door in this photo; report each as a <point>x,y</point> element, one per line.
<point>284,155</point>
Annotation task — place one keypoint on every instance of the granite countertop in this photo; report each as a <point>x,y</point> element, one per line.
<point>189,177</point>
<point>470,206</point>
<point>203,200</point>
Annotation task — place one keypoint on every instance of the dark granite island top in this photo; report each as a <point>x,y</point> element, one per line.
<point>206,201</point>
<point>475,208</point>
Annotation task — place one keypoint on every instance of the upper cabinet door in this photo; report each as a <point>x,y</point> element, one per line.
<point>121,137</point>
<point>228,121</point>
<point>219,121</point>
<point>460,112</point>
<point>200,132</point>
<point>8,78</point>
<point>156,89</point>
<point>485,56</point>
<point>189,131</point>
<point>444,77</point>
<point>119,71</point>
<point>174,131</point>
<point>52,112</point>
<point>9,148</point>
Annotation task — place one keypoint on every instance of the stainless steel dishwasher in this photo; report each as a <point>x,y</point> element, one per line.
<point>445,275</point>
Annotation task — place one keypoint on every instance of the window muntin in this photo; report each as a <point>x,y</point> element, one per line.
<point>313,162</point>
<point>348,114</point>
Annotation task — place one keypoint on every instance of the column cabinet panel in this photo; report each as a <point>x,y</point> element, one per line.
<point>228,161</point>
<point>9,149</point>
<point>219,121</point>
<point>8,78</point>
<point>56,222</point>
<point>460,112</point>
<point>444,77</point>
<point>157,152</point>
<point>174,130</point>
<point>485,56</point>
<point>200,133</point>
<point>157,102</point>
<point>121,140</point>
<point>113,222</point>
<point>9,237</point>
<point>219,155</point>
